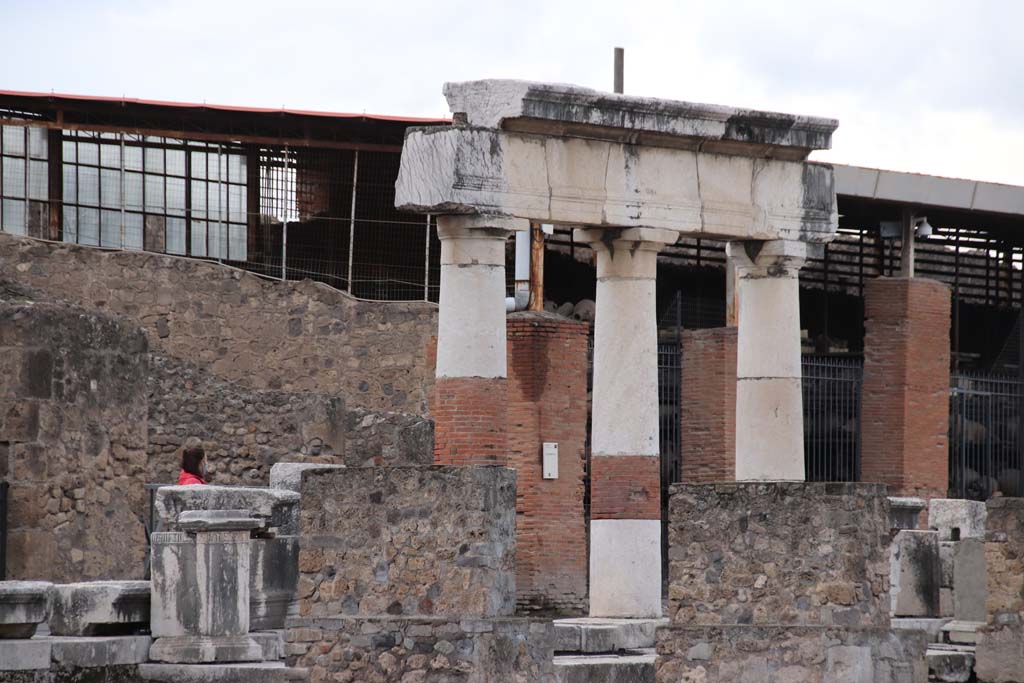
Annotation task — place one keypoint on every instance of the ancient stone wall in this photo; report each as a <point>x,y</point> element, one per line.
<point>271,335</point>
<point>247,430</point>
<point>422,649</point>
<point>905,398</point>
<point>547,402</point>
<point>708,405</point>
<point>1000,654</point>
<point>72,440</point>
<point>434,541</point>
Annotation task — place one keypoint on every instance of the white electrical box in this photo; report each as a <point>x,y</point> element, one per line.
<point>550,460</point>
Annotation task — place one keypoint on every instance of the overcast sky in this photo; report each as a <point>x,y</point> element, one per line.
<point>933,87</point>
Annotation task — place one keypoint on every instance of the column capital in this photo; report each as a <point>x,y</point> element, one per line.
<point>768,258</point>
<point>643,239</point>
<point>478,225</point>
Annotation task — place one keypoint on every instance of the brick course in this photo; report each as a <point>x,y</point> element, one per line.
<point>470,416</point>
<point>547,401</point>
<point>708,408</point>
<point>625,487</point>
<point>905,399</point>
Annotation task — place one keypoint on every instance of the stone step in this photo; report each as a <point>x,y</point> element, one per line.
<point>635,666</point>
<point>931,626</point>
<point>592,635</point>
<point>263,672</point>
<point>963,632</point>
<point>949,664</point>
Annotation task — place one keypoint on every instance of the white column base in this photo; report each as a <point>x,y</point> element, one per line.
<point>769,429</point>
<point>625,568</point>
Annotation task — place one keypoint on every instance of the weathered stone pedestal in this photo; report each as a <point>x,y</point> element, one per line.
<point>782,581</point>
<point>99,608</point>
<point>200,605</point>
<point>23,606</point>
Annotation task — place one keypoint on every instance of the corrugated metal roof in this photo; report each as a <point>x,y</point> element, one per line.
<point>220,107</point>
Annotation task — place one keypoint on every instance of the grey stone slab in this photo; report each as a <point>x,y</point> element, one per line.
<point>610,635</point>
<point>970,581</point>
<point>24,655</point>
<point>23,605</point>
<point>904,512</point>
<point>217,520</point>
<point>288,475</point>
<point>946,562</point>
<point>963,632</point>
<point>949,667</point>
<point>956,519</point>
<point>276,508</point>
<point>205,649</point>
<point>265,672</point>
<point>946,602</point>
<point>273,580</point>
<point>849,664</point>
<point>914,574</point>
<point>933,627</point>
<point>98,651</point>
<point>271,642</point>
<point>567,636</point>
<point>99,608</point>
<point>630,668</point>
<point>498,103</point>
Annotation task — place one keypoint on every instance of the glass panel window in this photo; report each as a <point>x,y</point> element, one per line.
<point>69,152</point>
<point>154,160</point>
<point>110,156</point>
<point>176,162</point>
<point>14,176</point>
<point>88,185</point>
<point>37,142</point>
<point>155,193</point>
<point>110,188</point>
<point>213,167</point>
<point>133,191</point>
<point>198,199</point>
<point>38,180</point>
<point>236,203</point>
<point>88,153</point>
<point>236,173</point>
<point>133,158</point>
<point>89,226</point>
<point>176,196</point>
<point>198,165</point>
<point>70,184</point>
<point>133,230</point>
<point>175,236</point>
<point>110,229</point>
<point>216,244</point>
<point>198,238</point>
<point>70,224</point>
<point>14,140</point>
<point>236,242</point>
<point>14,216</point>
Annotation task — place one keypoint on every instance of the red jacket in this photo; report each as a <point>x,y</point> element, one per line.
<point>186,478</point>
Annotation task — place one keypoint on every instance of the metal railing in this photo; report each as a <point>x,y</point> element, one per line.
<point>985,421</point>
<point>832,409</point>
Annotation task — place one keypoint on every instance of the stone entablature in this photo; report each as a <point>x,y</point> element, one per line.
<point>604,160</point>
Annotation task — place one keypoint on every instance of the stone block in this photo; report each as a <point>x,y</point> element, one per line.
<point>273,579</point>
<point>848,664</point>
<point>946,562</point>
<point>205,649</point>
<point>904,512</point>
<point>99,651</point>
<point>594,635</point>
<point>264,672</point>
<point>288,475</point>
<point>999,657</point>
<point>277,509</point>
<point>915,574</point>
<point>99,608</point>
<point>272,643</point>
<point>970,581</point>
<point>627,668</point>
<point>950,666</point>
<point>24,655</point>
<point>23,605</point>
<point>956,519</point>
<point>946,607</point>
<point>932,627</point>
<point>963,632</point>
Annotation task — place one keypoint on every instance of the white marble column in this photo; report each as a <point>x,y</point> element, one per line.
<point>625,527</point>
<point>470,395</point>
<point>769,404</point>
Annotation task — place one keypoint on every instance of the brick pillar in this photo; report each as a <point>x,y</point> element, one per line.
<point>709,405</point>
<point>547,401</point>
<point>905,399</point>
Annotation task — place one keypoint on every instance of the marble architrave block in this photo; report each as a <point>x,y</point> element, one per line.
<point>99,608</point>
<point>277,510</point>
<point>200,606</point>
<point>23,606</point>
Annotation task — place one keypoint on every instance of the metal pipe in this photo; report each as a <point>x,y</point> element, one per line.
<point>907,247</point>
<point>352,217</point>
<point>284,217</point>
<point>536,285</point>
<point>619,59</point>
<point>426,263</point>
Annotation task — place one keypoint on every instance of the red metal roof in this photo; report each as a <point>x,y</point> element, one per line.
<point>222,107</point>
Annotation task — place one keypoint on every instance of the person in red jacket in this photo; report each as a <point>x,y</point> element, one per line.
<point>193,466</point>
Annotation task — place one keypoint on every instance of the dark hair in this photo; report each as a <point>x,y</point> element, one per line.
<point>190,459</point>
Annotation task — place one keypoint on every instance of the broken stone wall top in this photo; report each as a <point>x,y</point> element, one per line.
<point>277,509</point>
<point>569,110</point>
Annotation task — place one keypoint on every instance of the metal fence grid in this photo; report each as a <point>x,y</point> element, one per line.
<point>832,409</point>
<point>984,435</point>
